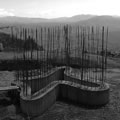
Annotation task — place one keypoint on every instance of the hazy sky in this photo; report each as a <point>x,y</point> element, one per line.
<point>58,8</point>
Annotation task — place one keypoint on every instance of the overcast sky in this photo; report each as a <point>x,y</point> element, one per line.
<point>58,8</point>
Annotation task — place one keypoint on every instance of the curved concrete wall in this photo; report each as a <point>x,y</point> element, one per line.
<point>64,90</point>
<point>76,80</point>
<point>39,83</point>
<point>38,106</point>
<point>84,96</point>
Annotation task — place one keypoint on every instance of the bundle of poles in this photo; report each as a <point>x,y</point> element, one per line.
<point>83,50</point>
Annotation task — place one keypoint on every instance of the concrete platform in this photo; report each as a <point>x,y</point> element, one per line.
<point>69,89</point>
<point>9,88</point>
<point>37,105</point>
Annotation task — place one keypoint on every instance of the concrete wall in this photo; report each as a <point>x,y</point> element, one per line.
<point>76,80</point>
<point>38,106</point>
<point>37,84</point>
<point>63,91</point>
<point>83,96</point>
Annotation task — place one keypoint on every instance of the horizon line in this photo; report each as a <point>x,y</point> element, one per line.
<point>59,17</point>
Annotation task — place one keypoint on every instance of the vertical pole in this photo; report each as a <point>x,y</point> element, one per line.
<point>102,55</point>
<point>106,53</point>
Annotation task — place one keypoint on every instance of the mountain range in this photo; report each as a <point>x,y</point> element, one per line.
<point>39,20</point>
<point>112,22</point>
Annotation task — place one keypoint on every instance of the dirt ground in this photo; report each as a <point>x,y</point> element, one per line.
<point>65,111</point>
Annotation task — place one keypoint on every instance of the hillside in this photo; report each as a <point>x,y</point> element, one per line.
<point>112,22</point>
<point>11,44</point>
<point>26,20</point>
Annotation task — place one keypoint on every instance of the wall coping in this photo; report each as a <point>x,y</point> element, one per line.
<point>47,89</point>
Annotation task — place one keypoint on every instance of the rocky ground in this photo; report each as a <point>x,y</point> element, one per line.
<point>65,111</point>
<point>8,109</point>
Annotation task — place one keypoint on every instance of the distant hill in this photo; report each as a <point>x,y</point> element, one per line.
<point>43,20</point>
<point>21,20</point>
<point>72,19</point>
<point>112,22</point>
<point>85,19</point>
